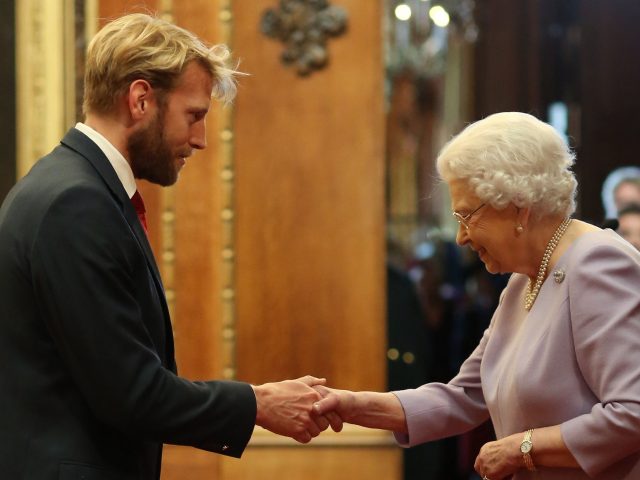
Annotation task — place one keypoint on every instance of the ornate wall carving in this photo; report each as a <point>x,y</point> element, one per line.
<point>304,27</point>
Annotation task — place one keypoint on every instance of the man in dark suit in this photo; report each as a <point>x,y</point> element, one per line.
<point>88,383</point>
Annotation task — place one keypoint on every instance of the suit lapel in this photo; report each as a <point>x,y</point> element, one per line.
<point>80,143</point>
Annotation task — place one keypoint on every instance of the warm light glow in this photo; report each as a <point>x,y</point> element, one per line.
<point>403,12</point>
<point>439,16</point>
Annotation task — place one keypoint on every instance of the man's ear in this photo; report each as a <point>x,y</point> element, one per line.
<point>140,99</point>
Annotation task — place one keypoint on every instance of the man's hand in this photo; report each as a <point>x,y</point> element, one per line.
<point>286,408</point>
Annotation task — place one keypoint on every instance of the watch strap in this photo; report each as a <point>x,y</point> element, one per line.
<point>526,456</point>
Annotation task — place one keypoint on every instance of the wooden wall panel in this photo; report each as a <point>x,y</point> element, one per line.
<point>310,217</point>
<point>316,463</point>
<point>198,247</point>
<point>329,457</point>
<point>309,230</point>
<point>355,453</point>
<point>309,156</point>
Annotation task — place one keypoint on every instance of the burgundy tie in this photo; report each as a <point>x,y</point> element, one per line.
<point>138,204</point>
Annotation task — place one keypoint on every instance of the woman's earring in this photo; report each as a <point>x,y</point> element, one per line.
<point>519,229</point>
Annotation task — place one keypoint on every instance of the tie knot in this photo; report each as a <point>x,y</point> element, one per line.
<point>138,203</point>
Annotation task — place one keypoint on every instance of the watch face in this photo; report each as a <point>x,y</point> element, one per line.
<point>525,447</point>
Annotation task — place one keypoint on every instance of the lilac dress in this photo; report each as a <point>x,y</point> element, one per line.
<point>573,360</point>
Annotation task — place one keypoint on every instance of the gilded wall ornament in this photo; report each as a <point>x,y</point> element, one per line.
<point>304,26</point>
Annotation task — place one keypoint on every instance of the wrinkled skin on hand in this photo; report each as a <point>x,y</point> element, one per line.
<point>499,459</point>
<point>339,402</point>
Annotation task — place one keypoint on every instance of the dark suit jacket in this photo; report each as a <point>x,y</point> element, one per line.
<point>88,384</point>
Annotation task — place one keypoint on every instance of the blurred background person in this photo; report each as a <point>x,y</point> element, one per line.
<point>620,188</point>
<point>629,224</point>
<point>409,358</point>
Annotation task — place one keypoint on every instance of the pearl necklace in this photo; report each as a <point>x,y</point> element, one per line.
<point>532,293</point>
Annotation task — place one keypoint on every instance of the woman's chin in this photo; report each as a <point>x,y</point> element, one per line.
<point>490,266</point>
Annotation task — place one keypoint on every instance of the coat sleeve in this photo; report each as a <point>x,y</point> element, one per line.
<point>88,272</point>
<point>438,410</point>
<point>605,321</point>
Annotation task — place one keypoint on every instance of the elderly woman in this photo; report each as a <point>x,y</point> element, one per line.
<point>558,369</point>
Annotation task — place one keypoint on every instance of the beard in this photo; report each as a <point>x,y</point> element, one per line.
<point>150,156</point>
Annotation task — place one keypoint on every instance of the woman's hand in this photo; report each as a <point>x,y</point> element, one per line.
<point>500,459</point>
<point>367,409</point>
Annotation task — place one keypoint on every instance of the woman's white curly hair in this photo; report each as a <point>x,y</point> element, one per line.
<point>513,157</point>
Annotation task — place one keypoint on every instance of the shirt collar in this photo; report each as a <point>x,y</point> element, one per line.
<point>117,160</point>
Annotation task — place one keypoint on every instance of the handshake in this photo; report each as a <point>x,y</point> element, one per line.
<point>301,408</point>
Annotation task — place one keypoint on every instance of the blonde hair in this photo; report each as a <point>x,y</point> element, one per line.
<point>140,46</point>
<point>513,157</point>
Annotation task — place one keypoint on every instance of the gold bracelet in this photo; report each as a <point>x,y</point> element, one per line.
<point>525,448</point>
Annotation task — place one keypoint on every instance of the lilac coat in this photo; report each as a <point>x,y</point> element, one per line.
<point>573,360</point>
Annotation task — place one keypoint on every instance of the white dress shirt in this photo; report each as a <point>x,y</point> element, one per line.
<point>117,160</point>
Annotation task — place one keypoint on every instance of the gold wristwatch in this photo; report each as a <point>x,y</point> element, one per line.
<point>525,448</point>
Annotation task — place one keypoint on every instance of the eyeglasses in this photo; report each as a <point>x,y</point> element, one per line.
<point>464,220</point>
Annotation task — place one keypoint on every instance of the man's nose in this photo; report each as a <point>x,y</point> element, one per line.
<point>198,136</point>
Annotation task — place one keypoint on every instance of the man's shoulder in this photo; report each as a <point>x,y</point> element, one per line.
<point>61,173</point>
<point>60,170</point>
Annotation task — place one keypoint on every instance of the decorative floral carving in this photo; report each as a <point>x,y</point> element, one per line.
<point>304,26</point>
